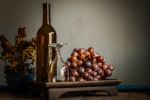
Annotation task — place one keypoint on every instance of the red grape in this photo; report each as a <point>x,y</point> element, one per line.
<point>73,58</point>
<point>85,74</point>
<point>75,50</point>
<point>100,65</point>
<point>110,67</point>
<point>88,64</point>
<point>108,72</point>
<point>95,67</point>
<point>74,73</point>
<point>80,79</point>
<point>99,71</point>
<point>82,56</point>
<point>94,55</point>
<point>98,76</point>
<point>105,67</point>
<point>90,49</point>
<point>93,61</point>
<point>81,51</point>
<point>68,64</point>
<point>95,79</point>
<point>75,54</point>
<point>89,78</point>
<point>74,65</point>
<point>79,62</point>
<point>87,54</point>
<point>72,78</point>
<point>94,73</point>
<point>89,70</point>
<point>81,70</point>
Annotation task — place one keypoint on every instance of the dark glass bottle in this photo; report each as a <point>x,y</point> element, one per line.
<point>46,35</point>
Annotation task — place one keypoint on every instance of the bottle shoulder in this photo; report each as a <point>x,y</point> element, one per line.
<point>45,29</point>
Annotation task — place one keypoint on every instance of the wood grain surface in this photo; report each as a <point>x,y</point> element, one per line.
<point>6,95</point>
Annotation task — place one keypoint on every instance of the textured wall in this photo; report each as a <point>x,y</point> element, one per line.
<point>118,29</point>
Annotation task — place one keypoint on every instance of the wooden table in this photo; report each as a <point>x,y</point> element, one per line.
<point>7,95</point>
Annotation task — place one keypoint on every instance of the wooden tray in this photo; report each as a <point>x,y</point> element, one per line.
<point>83,84</point>
<point>107,82</point>
<point>55,90</point>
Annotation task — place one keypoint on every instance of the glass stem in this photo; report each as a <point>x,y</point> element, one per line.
<point>58,54</point>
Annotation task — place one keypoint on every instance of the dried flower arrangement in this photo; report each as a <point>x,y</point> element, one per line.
<point>19,58</point>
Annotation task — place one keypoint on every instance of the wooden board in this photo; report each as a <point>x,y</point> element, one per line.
<point>83,84</point>
<point>108,82</point>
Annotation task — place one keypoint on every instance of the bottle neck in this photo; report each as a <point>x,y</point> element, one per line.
<point>46,14</point>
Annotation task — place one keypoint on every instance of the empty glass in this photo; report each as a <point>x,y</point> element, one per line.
<point>58,70</point>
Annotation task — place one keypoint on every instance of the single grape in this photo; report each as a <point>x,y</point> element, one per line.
<point>79,62</point>
<point>81,70</point>
<point>88,64</point>
<point>87,54</point>
<point>94,55</point>
<point>74,73</point>
<point>105,66</point>
<point>74,65</point>
<point>90,78</point>
<point>74,54</point>
<point>110,67</point>
<point>68,64</point>
<point>75,50</point>
<point>82,56</point>
<point>81,51</point>
<point>73,59</point>
<point>89,70</point>
<point>80,79</point>
<point>85,74</point>
<point>90,49</point>
<point>93,61</point>
<point>94,73</point>
<point>108,72</point>
<point>95,67</point>
<point>72,78</point>
<point>100,65</point>
<point>95,79</point>
<point>99,71</point>
<point>98,76</point>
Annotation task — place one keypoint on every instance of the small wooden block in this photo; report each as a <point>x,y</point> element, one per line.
<point>56,93</point>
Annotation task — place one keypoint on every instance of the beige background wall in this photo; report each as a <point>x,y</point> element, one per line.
<point>118,29</point>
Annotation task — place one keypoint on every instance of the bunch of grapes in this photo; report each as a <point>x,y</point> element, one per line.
<point>87,65</point>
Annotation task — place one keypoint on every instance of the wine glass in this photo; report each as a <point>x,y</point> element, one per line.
<point>58,70</point>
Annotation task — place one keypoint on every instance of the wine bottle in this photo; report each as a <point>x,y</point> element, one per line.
<point>45,35</point>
